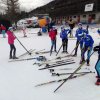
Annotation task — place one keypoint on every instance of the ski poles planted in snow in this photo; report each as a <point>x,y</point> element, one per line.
<point>59,49</point>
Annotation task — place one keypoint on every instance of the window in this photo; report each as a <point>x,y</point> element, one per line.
<point>84,16</point>
<point>93,16</point>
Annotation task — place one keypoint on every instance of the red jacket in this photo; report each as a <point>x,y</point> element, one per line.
<point>52,34</point>
<point>3,28</point>
<point>11,37</point>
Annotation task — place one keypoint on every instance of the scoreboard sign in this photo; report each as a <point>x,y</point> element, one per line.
<point>89,7</point>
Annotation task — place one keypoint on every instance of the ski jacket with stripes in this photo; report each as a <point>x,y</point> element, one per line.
<point>87,41</point>
<point>64,34</point>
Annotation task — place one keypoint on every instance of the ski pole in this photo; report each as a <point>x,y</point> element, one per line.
<point>59,49</point>
<point>74,49</point>
<point>23,45</point>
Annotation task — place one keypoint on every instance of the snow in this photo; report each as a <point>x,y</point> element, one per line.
<point>18,79</point>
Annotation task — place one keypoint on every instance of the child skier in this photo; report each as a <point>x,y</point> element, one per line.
<point>87,42</point>
<point>52,35</point>
<point>24,29</point>
<point>11,39</point>
<point>79,35</point>
<point>64,36</point>
<point>97,66</point>
<point>3,31</point>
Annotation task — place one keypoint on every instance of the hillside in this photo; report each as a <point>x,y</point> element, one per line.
<point>65,7</point>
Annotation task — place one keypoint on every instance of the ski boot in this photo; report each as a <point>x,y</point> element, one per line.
<point>88,63</point>
<point>74,55</point>
<point>66,52</point>
<point>97,76</point>
<point>55,51</point>
<point>14,57</point>
<point>10,57</point>
<point>82,61</point>
<point>98,81</point>
<point>25,35</point>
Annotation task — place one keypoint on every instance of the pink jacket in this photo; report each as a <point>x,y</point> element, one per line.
<point>11,37</point>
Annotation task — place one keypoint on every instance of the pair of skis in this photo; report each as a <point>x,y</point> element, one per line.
<point>57,65</point>
<point>60,74</point>
<point>53,70</point>
<point>53,62</point>
<point>60,80</point>
<point>31,51</point>
<point>40,58</point>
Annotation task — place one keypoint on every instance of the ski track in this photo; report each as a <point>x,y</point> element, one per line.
<point>17,79</point>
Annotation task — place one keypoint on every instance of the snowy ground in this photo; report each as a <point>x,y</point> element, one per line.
<point>17,79</point>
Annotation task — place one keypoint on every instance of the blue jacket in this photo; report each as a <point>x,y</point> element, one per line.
<point>64,34</point>
<point>79,34</point>
<point>87,41</point>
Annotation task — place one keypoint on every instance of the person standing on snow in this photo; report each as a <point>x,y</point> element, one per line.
<point>79,35</point>
<point>11,39</point>
<point>64,36</point>
<point>24,29</point>
<point>71,25</point>
<point>97,66</point>
<point>52,35</point>
<point>3,31</point>
<point>87,42</point>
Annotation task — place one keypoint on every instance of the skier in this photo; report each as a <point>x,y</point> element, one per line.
<point>97,66</point>
<point>79,35</point>
<point>3,31</point>
<point>24,29</point>
<point>52,35</point>
<point>64,36</point>
<point>87,42</point>
<point>11,39</point>
<point>71,25</point>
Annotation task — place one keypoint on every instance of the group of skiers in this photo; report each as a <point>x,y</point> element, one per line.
<point>3,30</point>
<point>83,39</point>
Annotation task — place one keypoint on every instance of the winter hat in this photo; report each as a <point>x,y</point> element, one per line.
<point>79,24</point>
<point>53,27</point>
<point>62,27</point>
<point>10,28</point>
